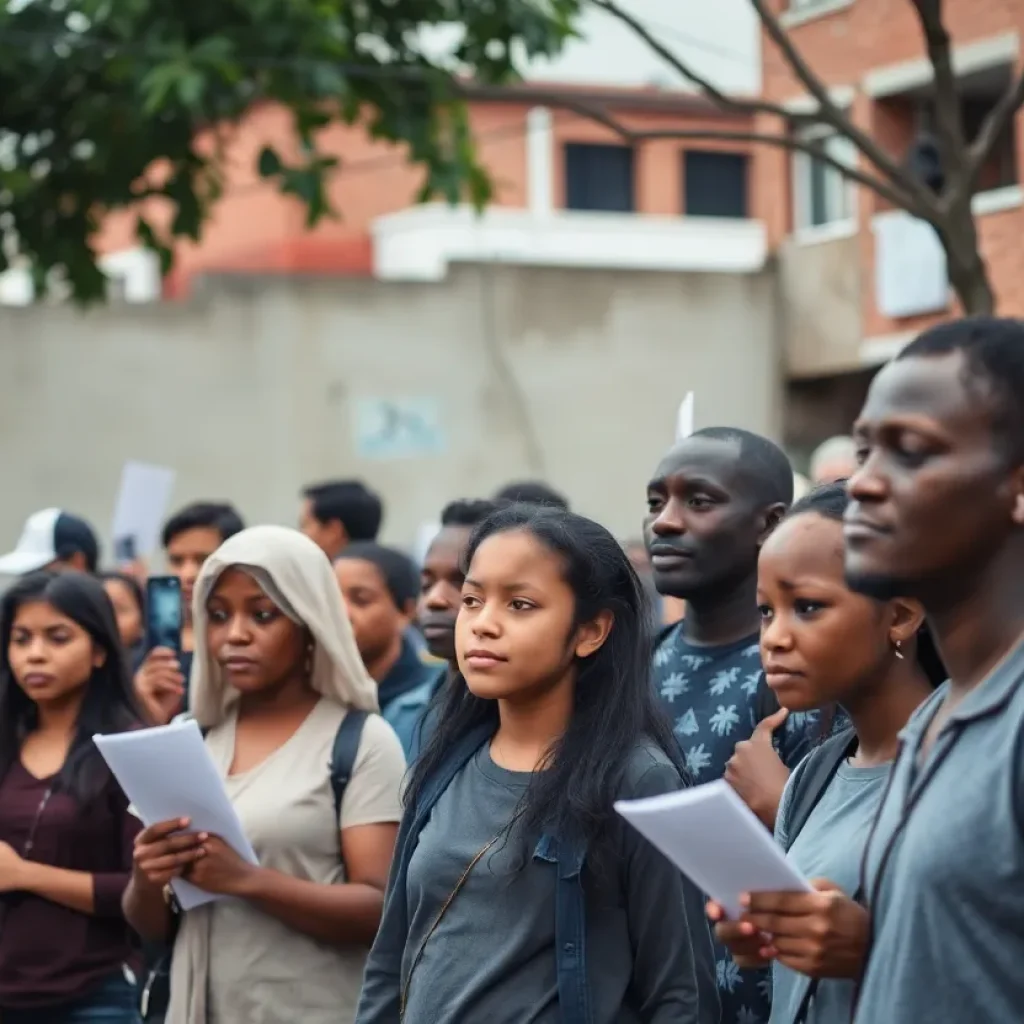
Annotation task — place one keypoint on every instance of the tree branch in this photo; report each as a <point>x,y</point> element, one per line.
<point>793,143</point>
<point>993,126</point>
<point>738,104</point>
<point>948,122</point>
<point>924,202</point>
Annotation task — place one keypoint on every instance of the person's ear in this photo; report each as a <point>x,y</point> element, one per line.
<point>771,518</point>
<point>906,616</point>
<point>591,635</point>
<point>99,656</point>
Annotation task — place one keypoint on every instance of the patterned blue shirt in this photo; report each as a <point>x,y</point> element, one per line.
<point>711,696</point>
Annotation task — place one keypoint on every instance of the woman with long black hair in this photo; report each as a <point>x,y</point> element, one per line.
<point>516,894</point>
<point>66,833</point>
<point>823,644</point>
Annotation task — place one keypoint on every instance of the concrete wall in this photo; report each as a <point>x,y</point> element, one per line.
<point>820,288</point>
<point>251,389</point>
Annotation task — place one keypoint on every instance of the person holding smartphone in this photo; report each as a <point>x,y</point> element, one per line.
<point>190,536</point>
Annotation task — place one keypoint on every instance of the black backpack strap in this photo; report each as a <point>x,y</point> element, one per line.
<point>816,773</point>
<point>344,751</point>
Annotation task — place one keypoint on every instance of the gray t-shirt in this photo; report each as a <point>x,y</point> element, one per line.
<point>492,957</point>
<point>945,866</point>
<point>830,845</point>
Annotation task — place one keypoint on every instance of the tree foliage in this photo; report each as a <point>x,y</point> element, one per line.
<point>102,103</point>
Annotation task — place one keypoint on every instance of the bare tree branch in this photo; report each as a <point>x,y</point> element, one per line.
<point>793,143</point>
<point>948,121</point>
<point>924,202</point>
<point>993,126</point>
<point>739,104</point>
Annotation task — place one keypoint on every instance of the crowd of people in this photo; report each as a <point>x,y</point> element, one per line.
<point>425,757</point>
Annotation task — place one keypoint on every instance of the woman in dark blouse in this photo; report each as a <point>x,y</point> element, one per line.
<point>65,830</point>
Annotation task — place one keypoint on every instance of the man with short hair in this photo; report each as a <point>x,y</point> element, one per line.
<point>189,537</point>
<point>338,513</point>
<point>53,539</point>
<point>937,514</point>
<point>441,579</point>
<point>712,502</point>
<point>833,460</point>
<point>380,586</point>
<point>532,492</point>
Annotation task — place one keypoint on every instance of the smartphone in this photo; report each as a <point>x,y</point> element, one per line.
<point>163,613</point>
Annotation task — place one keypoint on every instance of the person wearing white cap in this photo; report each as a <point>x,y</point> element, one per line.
<point>52,539</point>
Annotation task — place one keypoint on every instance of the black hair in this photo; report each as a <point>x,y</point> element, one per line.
<point>467,511</point>
<point>72,536</point>
<point>532,492</point>
<point>109,704</point>
<point>211,515</point>
<point>615,708</point>
<point>829,501</point>
<point>351,503</point>
<point>397,569</point>
<point>764,464</point>
<point>133,585</point>
<point>993,351</point>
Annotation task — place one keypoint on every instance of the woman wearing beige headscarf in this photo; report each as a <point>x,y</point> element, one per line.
<point>275,671</point>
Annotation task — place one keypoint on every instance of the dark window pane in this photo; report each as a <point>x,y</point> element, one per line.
<point>715,184</point>
<point>598,177</point>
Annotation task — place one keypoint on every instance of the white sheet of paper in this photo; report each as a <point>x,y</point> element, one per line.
<point>166,773</point>
<point>711,835</point>
<point>684,418</point>
<point>425,534</point>
<point>141,505</point>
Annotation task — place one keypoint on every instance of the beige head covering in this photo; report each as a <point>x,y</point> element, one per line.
<point>296,575</point>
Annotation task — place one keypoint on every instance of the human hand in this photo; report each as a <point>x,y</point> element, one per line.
<point>11,869</point>
<point>164,851</point>
<point>219,869</point>
<point>756,772</point>
<point>823,934</point>
<point>159,685</point>
<point>741,938</point>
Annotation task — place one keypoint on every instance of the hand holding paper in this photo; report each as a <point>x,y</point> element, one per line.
<point>716,841</point>
<point>167,773</point>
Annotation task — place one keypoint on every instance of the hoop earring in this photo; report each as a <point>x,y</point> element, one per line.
<point>899,653</point>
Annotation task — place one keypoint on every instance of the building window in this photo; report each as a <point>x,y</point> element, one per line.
<point>821,195</point>
<point>714,184</point>
<point>599,177</point>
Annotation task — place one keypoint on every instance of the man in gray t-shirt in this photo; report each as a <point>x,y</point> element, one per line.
<point>937,513</point>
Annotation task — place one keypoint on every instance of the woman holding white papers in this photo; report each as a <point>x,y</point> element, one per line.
<point>823,644</point>
<point>276,671</point>
<point>65,830</point>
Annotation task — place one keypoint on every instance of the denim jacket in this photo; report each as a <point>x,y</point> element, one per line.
<point>383,981</point>
<point>380,995</point>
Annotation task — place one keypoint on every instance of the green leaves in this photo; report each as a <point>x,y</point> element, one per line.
<point>104,103</point>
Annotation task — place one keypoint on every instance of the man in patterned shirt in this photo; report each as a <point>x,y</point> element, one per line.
<point>713,500</point>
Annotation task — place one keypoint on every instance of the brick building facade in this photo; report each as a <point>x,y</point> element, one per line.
<point>838,278</point>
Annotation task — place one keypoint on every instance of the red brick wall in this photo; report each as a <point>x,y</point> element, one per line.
<point>256,229</point>
<point>842,47</point>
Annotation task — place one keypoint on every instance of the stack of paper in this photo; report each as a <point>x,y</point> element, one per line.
<point>711,835</point>
<point>168,773</point>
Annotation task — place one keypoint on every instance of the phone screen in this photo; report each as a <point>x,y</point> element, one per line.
<point>163,612</point>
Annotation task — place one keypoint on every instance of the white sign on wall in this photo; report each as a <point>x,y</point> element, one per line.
<point>910,267</point>
<point>397,428</point>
